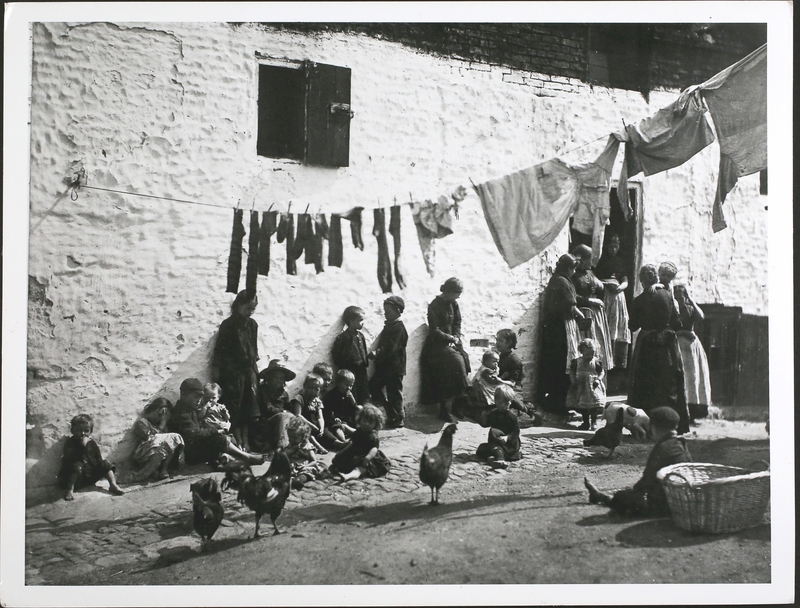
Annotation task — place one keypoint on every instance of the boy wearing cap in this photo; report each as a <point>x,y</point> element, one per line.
<point>202,444</point>
<point>272,396</point>
<point>390,362</point>
<point>647,497</point>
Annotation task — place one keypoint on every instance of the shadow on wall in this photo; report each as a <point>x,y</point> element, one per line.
<point>41,476</point>
<point>320,353</point>
<point>528,345</point>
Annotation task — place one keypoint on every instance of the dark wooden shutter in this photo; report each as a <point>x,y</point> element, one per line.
<point>328,126</point>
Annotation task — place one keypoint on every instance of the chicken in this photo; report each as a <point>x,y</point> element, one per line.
<point>610,435</point>
<point>207,507</point>
<point>264,494</point>
<point>434,465</point>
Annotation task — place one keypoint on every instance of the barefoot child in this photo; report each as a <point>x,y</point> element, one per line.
<point>302,453</point>
<point>509,365</point>
<point>340,410</point>
<point>308,406</point>
<point>647,497</point>
<point>503,443</point>
<point>480,398</point>
<point>587,389</point>
<point>157,448</point>
<point>350,351</point>
<point>82,464</point>
<point>390,362</point>
<point>361,457</point>
<point>324,371</point>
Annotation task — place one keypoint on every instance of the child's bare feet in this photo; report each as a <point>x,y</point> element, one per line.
<point>596,497</point>
<point>69,496</point>
<point>162,475</point>
<point>115,490</point>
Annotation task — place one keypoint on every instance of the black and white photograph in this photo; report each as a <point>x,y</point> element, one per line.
<point>397,304</point>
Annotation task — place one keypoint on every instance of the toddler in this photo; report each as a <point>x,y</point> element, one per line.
<point>390,362</point>
<point>587,390</point>
<point>350,351</point>
<point>480,397</point>
<point>301,453</point>
<point>340,410</point>
<point>216,415</point>
<point>82,464</point>
<point>157,449</point>
<point>324,371</point>
<point>361,457</point>
<point>647,497</point>
<point>503,443</point>
<point>308,406</point>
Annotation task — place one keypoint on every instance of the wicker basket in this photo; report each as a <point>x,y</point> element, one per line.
<point>715,498</point>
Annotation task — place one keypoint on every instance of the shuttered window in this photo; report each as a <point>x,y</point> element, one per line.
<point>304,113</point>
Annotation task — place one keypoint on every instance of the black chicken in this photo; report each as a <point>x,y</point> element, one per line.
<point>610,435</point>
<point>265,494</point>
<point>207,507</point>
<point>434,465</point>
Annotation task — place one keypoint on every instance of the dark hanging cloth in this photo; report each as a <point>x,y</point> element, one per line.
<point>301,237</point>
<point>384,263</point>
<point>252,254</point>
<point>354,216</point>
<point>311,241</point>
<point>335,242</point>
<point>320,232</point>
<point>291,261</point>
<point>269,225</point>
<point>235,256</point>
<point>283,227</point>
<point>394,230</point>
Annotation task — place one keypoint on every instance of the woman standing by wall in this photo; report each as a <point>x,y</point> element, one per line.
<point>611,271</point>
<point>589,295</point>
<point>695,363</point>
<point>444,362</point>
<point>560,338</point>
<point>234,366</point>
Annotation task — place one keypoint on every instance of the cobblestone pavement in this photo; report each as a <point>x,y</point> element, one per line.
<point>98,537</point>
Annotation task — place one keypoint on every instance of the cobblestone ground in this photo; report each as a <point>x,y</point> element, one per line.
<point>99,537</point>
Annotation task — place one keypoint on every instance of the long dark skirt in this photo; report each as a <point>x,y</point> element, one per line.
<point>239,389</point>
<point>553,381</point>
<point>444,372</point>
<point>656,375</point>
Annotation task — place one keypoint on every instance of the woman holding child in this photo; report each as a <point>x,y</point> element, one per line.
<point>443,360</point>
<point>157,448</point>
<point>589,296</point>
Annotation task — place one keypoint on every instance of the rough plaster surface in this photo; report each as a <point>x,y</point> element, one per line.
<point>126,293</point>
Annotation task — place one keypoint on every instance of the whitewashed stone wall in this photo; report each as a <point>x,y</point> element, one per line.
<point>126,293</point>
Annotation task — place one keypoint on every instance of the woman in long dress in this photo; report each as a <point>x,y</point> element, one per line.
<point>589,295</point>
<point>611,271</point>
<point>560,338</point>
<point>696,378</point>
<point>444,363</point>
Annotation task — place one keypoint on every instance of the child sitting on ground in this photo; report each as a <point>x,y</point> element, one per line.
<point>157,448</point>
<point>324,371</point>
<point>340,410</point>
<point>216,415</point>
<point>82,464</point>
<point>480,398</point>
<point>302,453</point>
<point>350,351</point>
<point>308,406</point>
<point>503,443</point>
<point>361,457</point>
<point>390,363</point>
<point>509,365</point>
<point>647,497</point>
<point>587,389</point>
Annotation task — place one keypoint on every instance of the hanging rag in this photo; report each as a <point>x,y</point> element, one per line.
<point>291,260</point>
<point>283,227</point>
<point>664,141</point>
<point>302,237</point>
<point>384,263</point>
<point>593,210</point>
<point>269,225</point>
<point>433,221</point>
<point>235,255</point>
<point>737,100</point>
<point>526,210</point>
<point>354,216</point>
<point>251,276</point>
<point>335,242</point>
<point>314,247</point>
<point>310,240</point>
<point>394,230</point>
